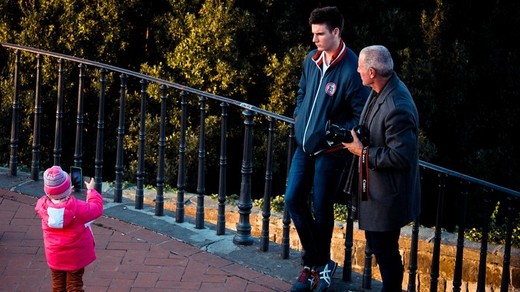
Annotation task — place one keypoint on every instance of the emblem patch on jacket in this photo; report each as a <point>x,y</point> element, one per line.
<point>330,88</point>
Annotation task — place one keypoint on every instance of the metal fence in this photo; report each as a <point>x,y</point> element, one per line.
<point>496,205</point>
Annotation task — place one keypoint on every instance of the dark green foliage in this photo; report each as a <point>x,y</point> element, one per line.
<point>458,59</point>
<point>497,229</point>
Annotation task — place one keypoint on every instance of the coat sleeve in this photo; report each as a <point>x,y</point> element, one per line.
<point>92,208</point>
<point>400,141</point>
<point>39,209</point>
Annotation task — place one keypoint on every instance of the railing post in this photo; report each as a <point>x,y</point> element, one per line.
<point>78,150</point>
<point>181,176</point>
<point>36,147</point>
<point>243,234</point>
<point>286,216</point>
<point>367,270</point>
<point>488,209</point>
<point>434,274</point>
<point>159,199</point>
<point>222,185</point>
<point>118,190</point>
<point>139,195</point>
<point>201,173</point>
<point>412,267</point>
<point>504,285</point>
<point>98,162</point>
<point>349,243</point>
<point>457,273</point>
<point>59,116</point>
<point>266,208</point>
<point>13,157</point>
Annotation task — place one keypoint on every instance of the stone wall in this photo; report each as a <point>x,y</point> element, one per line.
<point>425,248</point>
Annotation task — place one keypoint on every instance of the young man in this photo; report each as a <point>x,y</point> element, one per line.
<point>389,163</point>
<point>330,93</point>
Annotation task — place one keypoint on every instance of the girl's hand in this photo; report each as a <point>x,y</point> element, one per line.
<point>90,184</point>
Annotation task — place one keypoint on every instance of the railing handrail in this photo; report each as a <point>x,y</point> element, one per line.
<point>469,178</point>
<point>151,78</point>
<point>242,105</point>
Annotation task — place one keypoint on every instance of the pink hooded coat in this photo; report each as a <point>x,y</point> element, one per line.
<point>67,237</point>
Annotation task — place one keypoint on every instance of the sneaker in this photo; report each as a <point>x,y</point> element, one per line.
<point>306,281</point>
<point>325,274</point>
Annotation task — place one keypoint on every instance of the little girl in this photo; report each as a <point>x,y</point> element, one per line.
<point>67,237</point>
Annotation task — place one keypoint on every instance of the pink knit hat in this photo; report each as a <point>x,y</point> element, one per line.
<point>56,183</point>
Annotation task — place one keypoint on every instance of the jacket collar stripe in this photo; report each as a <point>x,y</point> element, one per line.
<point>338,55</point>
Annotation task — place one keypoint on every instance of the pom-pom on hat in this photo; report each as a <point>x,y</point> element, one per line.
<point>56,183</point>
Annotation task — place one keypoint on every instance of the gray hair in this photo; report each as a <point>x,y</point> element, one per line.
<point>379,58</point>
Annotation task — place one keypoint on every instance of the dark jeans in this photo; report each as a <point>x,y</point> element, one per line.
<point>385,247</point>
<point>314,220</point>
<point>67,281</point>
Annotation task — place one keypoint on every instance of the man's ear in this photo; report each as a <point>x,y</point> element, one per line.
<point>372,72</point>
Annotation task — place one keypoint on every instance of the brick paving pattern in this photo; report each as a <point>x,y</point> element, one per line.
<point>129,258</point>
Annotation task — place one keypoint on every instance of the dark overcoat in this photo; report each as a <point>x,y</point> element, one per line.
<point>394,192</point>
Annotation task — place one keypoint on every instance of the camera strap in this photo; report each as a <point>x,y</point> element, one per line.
<point>363,171</point>
<point>332,149</point>
<point>353,199</point>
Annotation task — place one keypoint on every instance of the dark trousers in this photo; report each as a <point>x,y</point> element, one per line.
<point>385,247</point>
<point>67,281</point>
<point>314,219</point>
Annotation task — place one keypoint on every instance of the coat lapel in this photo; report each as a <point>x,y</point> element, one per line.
<point>368,114</point>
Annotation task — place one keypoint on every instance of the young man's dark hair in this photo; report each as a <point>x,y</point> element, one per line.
<point>330,15</point>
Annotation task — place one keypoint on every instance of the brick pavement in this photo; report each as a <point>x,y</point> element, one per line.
<point>139,251</point>
<point>129,258</point>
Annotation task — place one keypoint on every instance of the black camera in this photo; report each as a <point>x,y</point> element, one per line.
<point>337,134</point>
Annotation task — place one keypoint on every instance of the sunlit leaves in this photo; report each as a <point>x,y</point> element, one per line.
<point>284,74</point>
<point>208,56</point>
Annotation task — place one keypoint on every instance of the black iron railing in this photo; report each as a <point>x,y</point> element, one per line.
<point>465,188</point>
